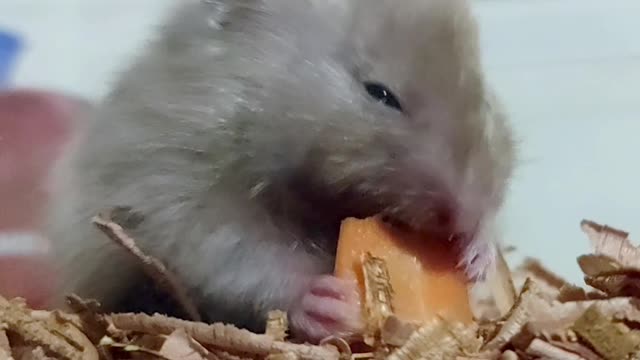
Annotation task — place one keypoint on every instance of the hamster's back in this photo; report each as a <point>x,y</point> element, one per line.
<point>160,137</point>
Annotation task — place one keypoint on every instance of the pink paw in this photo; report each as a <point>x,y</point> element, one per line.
<point>477,259</point>
<point>330,306</point>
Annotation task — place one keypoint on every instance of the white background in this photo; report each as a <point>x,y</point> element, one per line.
<point>567,70</point>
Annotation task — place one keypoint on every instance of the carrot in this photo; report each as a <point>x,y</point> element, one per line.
<point>423,273</point>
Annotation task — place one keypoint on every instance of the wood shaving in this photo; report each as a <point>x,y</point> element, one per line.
<point>616,285</point>
<point>5,354</point>
<point>545,350</point>
<point>33,354</point>
<point>570,292</point>
<point>94,324</point>
<point>549,284</point>
<point>577,348</point>
<point>60,339</point>
<point>535,269</point>
<point>396,332</point>
<point>432,341</point>
<point>509,355</point>
<point>611,340</point>
<point>341,344</point>
<point>283,356</point>
<point>594,265</point>
<point>152,266</point>
<point>549,318</point>
<point>5,347</point>
<point>502,286</point>
<point>612,242</point>
<point>516,319</point>
<point>180,346</point>
<point>219,335</point>
<point>277,325</point>
<point>378,295</point>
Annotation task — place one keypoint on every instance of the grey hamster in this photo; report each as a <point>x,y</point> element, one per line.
<point>248,129</point>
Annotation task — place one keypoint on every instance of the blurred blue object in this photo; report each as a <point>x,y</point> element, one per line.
<point>10,46</point>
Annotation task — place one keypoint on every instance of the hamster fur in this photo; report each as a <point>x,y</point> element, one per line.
<point>249,128</point>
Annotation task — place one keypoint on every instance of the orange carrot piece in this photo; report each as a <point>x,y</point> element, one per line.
<point>423,273</point>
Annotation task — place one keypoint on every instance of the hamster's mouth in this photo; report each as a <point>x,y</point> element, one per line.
<point>432,230</point>
<point>322,210</point>
<point>333,211</point>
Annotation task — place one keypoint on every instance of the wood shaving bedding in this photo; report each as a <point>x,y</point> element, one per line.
<point>545,317</point>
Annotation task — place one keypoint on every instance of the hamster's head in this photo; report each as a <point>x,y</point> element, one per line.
<point>408,127</point>
<point>421,59</point>
<point>372,106</point>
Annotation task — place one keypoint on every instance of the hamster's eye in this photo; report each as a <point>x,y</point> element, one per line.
<point>382,94</point>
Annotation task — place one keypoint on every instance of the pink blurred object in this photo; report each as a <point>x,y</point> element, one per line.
<point>34,126</point>
<point>30,277</point>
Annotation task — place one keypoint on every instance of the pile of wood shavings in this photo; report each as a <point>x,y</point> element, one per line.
<point>530,313</point>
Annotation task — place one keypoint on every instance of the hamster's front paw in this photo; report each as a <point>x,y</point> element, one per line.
<point>477,259</point>
<point>330,306</point>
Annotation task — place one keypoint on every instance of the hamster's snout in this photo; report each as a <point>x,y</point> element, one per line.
<point>447,223</point>
<point>441,219</point>
<point>444,217</point>
<point>456,220</point>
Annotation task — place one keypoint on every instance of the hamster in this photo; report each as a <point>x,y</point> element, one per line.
<point>248,129</point>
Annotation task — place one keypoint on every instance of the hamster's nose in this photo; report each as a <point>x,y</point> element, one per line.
<point>444,217</point>
<point>450,223</point>
<point>445,220</point>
